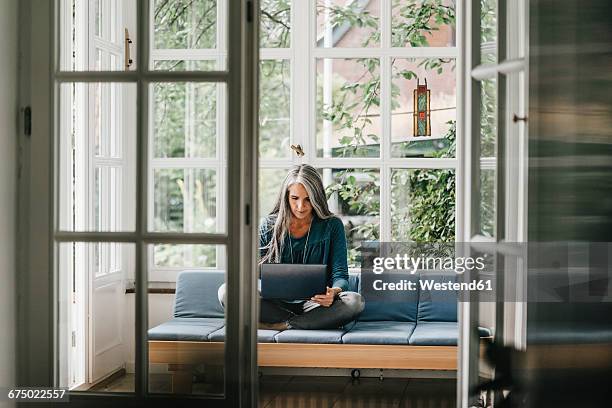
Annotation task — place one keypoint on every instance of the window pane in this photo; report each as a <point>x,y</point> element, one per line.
<point>487,202</point>
<point>488,31</point>
<point>96,316</point>
<point>186,200</point>
<point>353,24</point>
<point>423,205</point>
<point>275,109</point>
<point>442,81</point>
<point>185,65</point>
<point>184,24</point>
<point>168,256</point>
<point>187,36</point>
<point>423,23</point>
<point>94,34</point>
<point>275,24</point>
<point>354,196</point>
<point>488,142</point>
<point>186,335</point>
<point>270,182</point>
<point>348,107</point>
<point>185,117</point>
<point>488,117</point>
<point>97,151</point>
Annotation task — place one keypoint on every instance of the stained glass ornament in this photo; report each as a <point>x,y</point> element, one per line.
<point>422,110</point>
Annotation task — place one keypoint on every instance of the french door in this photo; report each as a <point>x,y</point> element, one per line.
<point>496,181</point>
<point>154,163</point>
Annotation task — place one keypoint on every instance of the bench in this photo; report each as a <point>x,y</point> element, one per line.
<point>413,330</point>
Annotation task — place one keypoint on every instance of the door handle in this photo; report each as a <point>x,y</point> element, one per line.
<point>516,118</point>
<point>127,56</point>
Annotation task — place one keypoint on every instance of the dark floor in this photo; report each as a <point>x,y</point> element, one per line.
<point>283,391</point>
<point>301,391</point>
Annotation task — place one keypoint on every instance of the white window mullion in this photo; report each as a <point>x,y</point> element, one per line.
<point>221,167</point>
<point>276,53</point>
<point>222,34</point>
<point>385,137</point>
<point>407,52</point>
<point>275,164</point>
<point>385,203</point>
<point>416,163</point>
<point>386,17</point>
<point>301,84</point>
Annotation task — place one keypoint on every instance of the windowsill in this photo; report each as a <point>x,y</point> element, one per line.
<point>156,288</point>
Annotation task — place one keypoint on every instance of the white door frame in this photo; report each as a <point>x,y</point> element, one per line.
<point>511,171</point>
<point>40,354</point>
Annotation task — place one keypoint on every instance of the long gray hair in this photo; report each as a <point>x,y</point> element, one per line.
<point>311,180</point>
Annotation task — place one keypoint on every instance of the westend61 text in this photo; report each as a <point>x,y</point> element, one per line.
<point>429,284</point>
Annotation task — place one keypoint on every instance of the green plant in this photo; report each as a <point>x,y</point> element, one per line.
<point>429,213</point>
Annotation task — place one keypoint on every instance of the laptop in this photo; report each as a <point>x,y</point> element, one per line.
<point>292,281</point>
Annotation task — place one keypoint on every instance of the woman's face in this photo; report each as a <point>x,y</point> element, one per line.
<point>301,208</point>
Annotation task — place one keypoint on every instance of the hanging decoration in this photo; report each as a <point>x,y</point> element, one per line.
<point>422,110</point>
<point>298,150</point>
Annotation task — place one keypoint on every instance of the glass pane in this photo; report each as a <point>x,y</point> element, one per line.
<point>184,24</point>
<point>186,201</point>
<point>488,117</point>
<point>166,260</point>
<point>270,182</point>
<point>348,107</point>
<point>354,196</point>
<point>97,173</point>
<point>423,205</point>
<point>187,35</point>
<point>488,141</point>
<point>442,82</point>
<point>487,202</point>
<point>275,109</point>
<point>94,35</point>
<point>353,24</point>
<point>185,65</point>
<point>96,317</point>
<point>488,31</point>
<point>423,23</point>
<point>186,322</point>
<point>275,24</point>
<point>185,119</point>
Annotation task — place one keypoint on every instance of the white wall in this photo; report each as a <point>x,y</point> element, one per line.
<point>8,187</point>
<point>160,311</point>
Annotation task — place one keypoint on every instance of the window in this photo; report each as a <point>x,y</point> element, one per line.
<point>188,165</point>
<point>339,83</point>
<point>337,78</point>
<point>144,185</point>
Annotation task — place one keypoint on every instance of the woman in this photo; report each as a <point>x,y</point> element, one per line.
<point>301,229</point>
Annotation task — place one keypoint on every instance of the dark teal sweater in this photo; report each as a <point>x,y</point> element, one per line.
<point>326,245</point>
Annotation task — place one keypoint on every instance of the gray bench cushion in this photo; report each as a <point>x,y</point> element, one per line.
<point>435,334</point>
<point>399,306</point>
<point>186,329</point>
<point>310,336</point>
<point>196,294</point>
<point>440,334</point>
<point>263,336</point>
<point>379,333</point>
<point>438,305</point>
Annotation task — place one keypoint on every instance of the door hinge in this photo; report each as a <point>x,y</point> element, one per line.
<point>73,339</point>
<point>27,121</point>
<point>249,11</point>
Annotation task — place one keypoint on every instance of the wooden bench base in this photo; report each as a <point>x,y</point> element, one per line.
<point>182,356</point>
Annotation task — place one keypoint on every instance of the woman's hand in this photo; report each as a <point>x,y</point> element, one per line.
<point>328,298</point>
